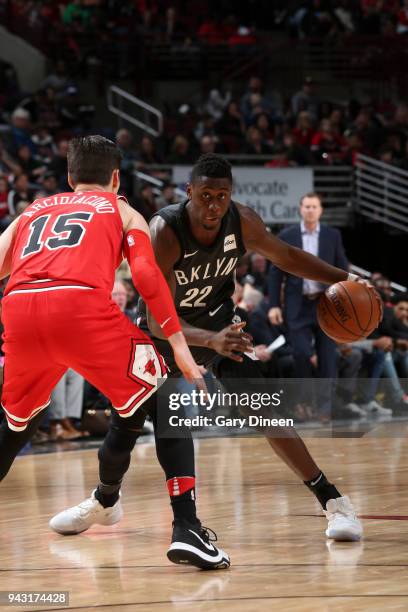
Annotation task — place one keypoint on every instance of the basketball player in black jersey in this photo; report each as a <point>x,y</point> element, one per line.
<point>197,245</point>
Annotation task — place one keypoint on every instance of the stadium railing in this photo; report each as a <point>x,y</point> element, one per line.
<point>381,192</point>
<point>127,107</point>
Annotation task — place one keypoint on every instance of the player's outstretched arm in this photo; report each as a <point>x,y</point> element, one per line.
<point>284,256</point>
<point>152,286</point>
<point>229,341</point>
<point>6,248</point>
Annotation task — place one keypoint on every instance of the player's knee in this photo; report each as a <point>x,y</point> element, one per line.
<point>121,439</point>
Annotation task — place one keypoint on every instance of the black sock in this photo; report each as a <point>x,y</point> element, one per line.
<point>184,507</point>
<point>107,495</point>
<point>322,489</point>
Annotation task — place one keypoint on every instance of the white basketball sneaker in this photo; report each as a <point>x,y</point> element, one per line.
<point>89,512</point>
<point>376,409</point>
<point>344,525</point>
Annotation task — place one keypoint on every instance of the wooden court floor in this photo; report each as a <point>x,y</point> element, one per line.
<point>267,521</point>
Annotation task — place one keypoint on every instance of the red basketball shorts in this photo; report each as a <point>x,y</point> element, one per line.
<point>47,332</point>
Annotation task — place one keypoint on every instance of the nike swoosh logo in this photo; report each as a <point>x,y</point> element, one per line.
<point>208,546</point>
<point>164,322</point>
<point>213,312</point>
<point>313,483</point>
<point>189,254</point>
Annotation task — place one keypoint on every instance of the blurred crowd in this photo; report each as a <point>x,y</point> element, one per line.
<point>257,122</point>
<point>260,125</point>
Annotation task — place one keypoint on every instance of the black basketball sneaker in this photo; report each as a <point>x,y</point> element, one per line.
<point>192,544</point>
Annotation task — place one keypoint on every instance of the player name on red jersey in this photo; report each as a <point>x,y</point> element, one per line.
<point>100,203</point>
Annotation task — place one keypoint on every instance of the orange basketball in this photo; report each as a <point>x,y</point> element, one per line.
<point>349,311</point>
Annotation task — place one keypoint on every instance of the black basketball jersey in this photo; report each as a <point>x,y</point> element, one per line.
<point>205,275</point>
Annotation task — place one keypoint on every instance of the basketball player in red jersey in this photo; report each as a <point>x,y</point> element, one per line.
<point>61,255</point>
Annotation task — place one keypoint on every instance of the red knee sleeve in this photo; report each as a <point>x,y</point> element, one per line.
<point>150,282</point>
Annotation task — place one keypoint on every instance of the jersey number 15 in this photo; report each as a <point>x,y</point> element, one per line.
<point>67,232</point>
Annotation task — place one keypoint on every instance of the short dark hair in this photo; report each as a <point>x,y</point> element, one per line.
<point>399,297</point>
<point>211,165</point>
<point>92,159</point>
<point>312,194</point>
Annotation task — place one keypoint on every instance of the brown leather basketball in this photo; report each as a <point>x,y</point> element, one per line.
<point>349,311</point>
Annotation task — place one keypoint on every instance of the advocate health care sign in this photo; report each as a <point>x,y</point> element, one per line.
<point>274,193</point>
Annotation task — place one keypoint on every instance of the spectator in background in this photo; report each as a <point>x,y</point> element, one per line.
<point>327,146</point>
<point>4,210</point>
<point>21,206</point>
<point>124,141</point>
<point>255,143</point>
<point>20,130</point>
<point>400,325</point>
<point>349,365</point>
<point>146,202</point>
<point>20,191</point>
<point>147,154</point>
<point>242,268</point>
<point>119,295</point>
<point>132,298</point>
<point>395,323</point>
<point>180,152</point>
<point>264,333</point>
<point>402,27</point>
<point>75,12</point>
<point>217,103</point>
<point>59,165</point>
<point>205,127</point>
<point>66,407</point>
<point>59,80</point>
<point>8,165</point>
<point>255,98</point>
<point>69,109</point>
<point>301,297</point>
<point>207,145</point>
<point>354,147</point>
<point>44,143</point>
<point>304,131</point>
<point>306,100</point>
<point>30,164</point>
<point>264,125</point>
<point>231,128</point>
<point>49,184</point>
<point>383,286</point>
<point>168,196</point>
<point>258,271</point>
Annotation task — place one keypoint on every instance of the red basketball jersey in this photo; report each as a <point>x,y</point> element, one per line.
<point>68,237</point>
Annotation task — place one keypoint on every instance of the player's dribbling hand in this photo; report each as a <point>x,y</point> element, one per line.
<point>231,341</point>
<point>370,286</point>
<point>191,371</point>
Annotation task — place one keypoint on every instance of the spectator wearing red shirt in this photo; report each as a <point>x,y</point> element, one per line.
<point>327,146</point>
<point>402,27</point>
<point>303,132</point>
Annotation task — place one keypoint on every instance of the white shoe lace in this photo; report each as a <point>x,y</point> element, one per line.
<point>343,509</point>
<point>85,506</point>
